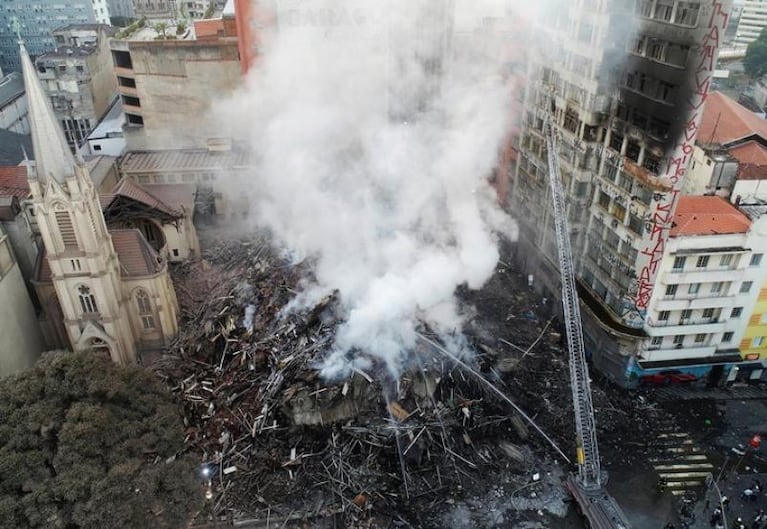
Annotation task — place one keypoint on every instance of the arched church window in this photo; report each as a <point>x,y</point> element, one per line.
<point>87,300</point>
<point>145,309</point>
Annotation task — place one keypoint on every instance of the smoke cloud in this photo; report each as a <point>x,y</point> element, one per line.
<point>374,129</point>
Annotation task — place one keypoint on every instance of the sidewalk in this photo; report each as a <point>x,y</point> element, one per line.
<point>732,487</point>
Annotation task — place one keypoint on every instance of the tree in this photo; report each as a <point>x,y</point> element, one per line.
<point>161,28</point>
<point>755,62</point>
<point>87,444</point>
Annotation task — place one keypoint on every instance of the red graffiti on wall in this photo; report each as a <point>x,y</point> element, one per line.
<point>665,204</point>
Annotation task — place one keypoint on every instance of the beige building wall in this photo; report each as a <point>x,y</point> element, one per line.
<point>21,340</point>
<point>176,82</point>
<point>183,240</point>
<point>103,80</point>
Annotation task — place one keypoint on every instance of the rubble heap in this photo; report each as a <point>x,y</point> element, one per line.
<point>278,442</point>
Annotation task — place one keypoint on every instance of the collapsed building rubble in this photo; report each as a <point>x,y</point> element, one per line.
<point>280,443</point>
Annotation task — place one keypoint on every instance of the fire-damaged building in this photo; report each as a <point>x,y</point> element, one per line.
<point>624,87</point>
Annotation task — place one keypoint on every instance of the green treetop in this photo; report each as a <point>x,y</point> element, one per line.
<point>87,444</point>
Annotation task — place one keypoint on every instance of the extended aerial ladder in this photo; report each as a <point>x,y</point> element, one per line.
<point>587,486</point>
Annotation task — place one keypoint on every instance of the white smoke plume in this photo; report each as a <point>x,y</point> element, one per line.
<point>375,127</point>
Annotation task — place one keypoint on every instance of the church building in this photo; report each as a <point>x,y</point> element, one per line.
<point>100,287</point>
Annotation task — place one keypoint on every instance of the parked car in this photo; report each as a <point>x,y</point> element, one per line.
<point>665,378</point>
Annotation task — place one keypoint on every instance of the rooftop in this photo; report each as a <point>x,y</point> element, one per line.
<point>707,215</point>
<point>726,121</point>
<point>67,51</point>
<point>752,160</point>
<point>12,147</point>
<point>130,189</point>
<point>181,159</point>
<point>11,88</point>
<point>13,181</point>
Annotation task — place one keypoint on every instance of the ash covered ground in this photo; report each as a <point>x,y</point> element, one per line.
<point>435,448</point>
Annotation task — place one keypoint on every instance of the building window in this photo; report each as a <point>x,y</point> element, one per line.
<point>671,290</point>
<point>700,338</point>
<point>727,337</point>
<point>679,262</point>
<point>757,341</point>
<point>746,286</point>
<point>716,288</point>
<point>693,288</point>
<point>708,313</point>
<point>604,199</point>
<point>145,309</point>
<point>756,259</point>
<point>87,300</point>
<point>657,340</point>
<point>736,312</point>
<point>679,339</point>
<point>663,315</point>
<point>725,260</point>
<point>686,313</point>
<point>702,261</point>
<point>636,224</point>
<point>687,13</point>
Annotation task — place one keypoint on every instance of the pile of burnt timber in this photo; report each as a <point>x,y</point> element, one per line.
<point>280,443</point>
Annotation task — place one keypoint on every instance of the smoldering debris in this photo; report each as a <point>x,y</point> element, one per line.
<point>280,443</point>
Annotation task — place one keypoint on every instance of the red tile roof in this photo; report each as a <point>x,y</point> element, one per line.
<point>13,181</point>
<point>725,121</point>
<point>178,196</point>
<point>137,258</point>
<point>752,160</point>
<point>707,215</point>
<point>130,189</point>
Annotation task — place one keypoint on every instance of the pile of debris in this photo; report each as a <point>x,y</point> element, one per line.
<point>279,443</point>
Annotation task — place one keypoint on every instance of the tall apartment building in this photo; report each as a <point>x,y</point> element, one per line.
<point>36,21</point>
<point>753,19</point>
<point>78,79</point>
<point>623,90</point>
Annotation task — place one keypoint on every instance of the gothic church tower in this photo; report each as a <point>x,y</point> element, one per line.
<point>84,267</point>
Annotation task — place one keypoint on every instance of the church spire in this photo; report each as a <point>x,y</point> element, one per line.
<point>53,159</point>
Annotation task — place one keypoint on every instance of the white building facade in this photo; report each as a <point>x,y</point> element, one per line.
<point>753,20</point>
<point>707,284</point>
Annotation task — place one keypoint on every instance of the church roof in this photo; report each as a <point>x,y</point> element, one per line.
<point>130,189</point>
<point>178,196</point>
<point>137,258</point>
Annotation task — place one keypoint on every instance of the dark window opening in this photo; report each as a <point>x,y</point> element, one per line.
<point>122,59</point>
<point>126,81</point>
<point>132,101</point>
<point>133,119</point>
<point>632,151</point>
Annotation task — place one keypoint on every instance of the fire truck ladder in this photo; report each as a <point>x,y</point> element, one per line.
<point>599,508</point>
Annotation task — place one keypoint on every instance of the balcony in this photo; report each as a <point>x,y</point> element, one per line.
<point>693,301</point>
<point>673,327</point>
<point>673,353</point>
<point>704,275</point>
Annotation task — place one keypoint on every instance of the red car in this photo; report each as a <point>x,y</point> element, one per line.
<point>665,378</point>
